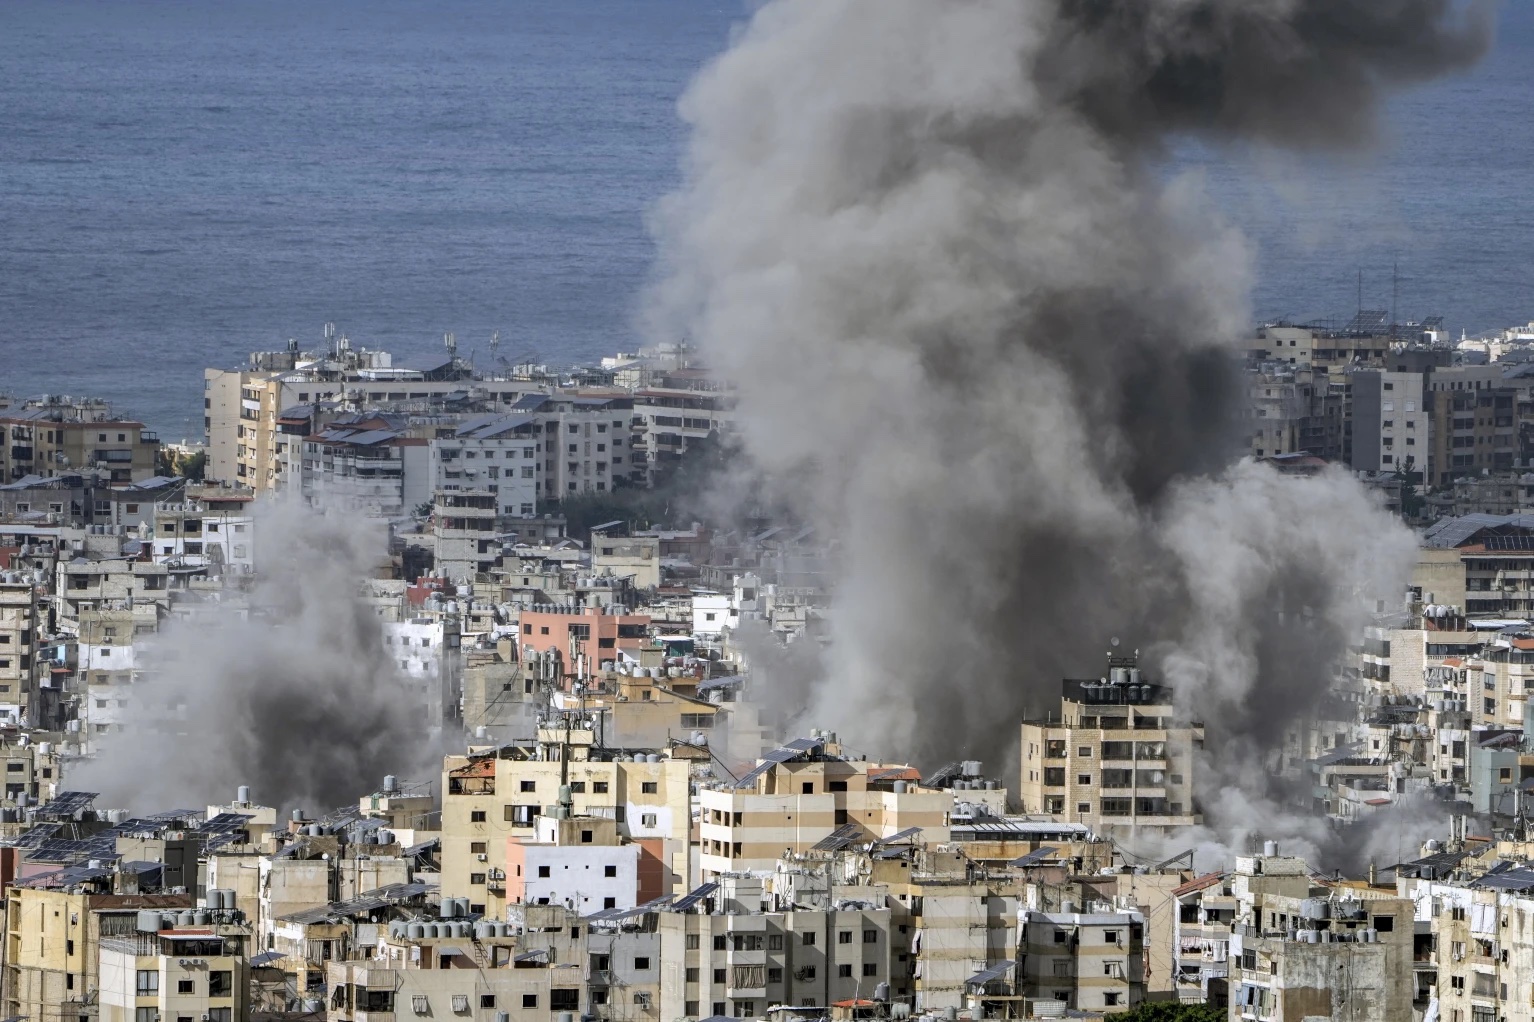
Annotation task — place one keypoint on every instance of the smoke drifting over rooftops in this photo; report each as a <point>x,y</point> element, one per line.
<point>987,343</point>
<point>298,699</point>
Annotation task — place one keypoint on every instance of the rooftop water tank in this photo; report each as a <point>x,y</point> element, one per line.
<point>1270,848</point>
<point>242,795</point>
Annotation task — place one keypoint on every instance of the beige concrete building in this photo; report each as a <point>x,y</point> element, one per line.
<point>21,623</point>
<point>636,558</point>
<point>53,438</point>
<point>1091,960</point>
<point>465,973</point>
<point>53,943</point>
<point>1118,757</point>
<point>196,972</point>
<point>800,795</point>
<point>736,947</point>
<point>1301,950</point>
<point>496,793</point>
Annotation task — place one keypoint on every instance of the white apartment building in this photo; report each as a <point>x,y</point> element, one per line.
<point>217,535</point>
<point>585,441</point>
<point>498,454</point>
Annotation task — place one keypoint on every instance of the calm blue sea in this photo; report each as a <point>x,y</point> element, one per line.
<point>181,182</point>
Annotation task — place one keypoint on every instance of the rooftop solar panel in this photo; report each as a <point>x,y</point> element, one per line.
<point>1034,858</point>
<point>694,896</point>
<point>839,838</point>
<point>990,973</point>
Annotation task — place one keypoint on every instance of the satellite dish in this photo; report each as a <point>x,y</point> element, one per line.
<point>1114,641</point>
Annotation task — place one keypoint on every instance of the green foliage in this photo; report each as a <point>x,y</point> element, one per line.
<point>170,461</point>
<point>674,499</point>
<point>1172,1011</point>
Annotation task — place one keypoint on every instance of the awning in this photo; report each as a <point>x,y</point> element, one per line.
<point>265,958</point>
<point>447,952</point>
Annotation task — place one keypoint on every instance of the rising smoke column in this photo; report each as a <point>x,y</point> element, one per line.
<point>293,692</point>
<point>987,342</point>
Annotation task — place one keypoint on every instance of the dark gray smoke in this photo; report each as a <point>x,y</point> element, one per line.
<point>293,694</point>
<point>988,341</point>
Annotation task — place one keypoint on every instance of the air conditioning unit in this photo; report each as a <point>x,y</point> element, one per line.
<point>482,857</point>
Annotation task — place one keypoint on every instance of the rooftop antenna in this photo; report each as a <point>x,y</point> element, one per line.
<point>1395,290</point>
<point>451,342</point>
<point>330,337</point>
<point>1359,317</point>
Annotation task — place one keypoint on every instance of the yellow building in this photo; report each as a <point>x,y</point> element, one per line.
<point>1118,757</point>
<point>52,945</point>
<point>803,793</point>
<point>492,794</point>
<point>180,972</point>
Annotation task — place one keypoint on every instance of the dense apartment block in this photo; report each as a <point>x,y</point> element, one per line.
<point>1118,758</point>
<point>55,436</point>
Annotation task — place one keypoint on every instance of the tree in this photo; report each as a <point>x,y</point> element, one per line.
<point>1172,1011</point>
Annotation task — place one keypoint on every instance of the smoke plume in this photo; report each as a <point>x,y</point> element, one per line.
<point>987,341</point>
<point>290,690</point>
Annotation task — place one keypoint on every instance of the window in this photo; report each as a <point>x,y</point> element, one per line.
<point>543,871</point>
<point>599,787</point>
<point>691,1009</point>
<point>609,871</point>
<point>720,1007</point>
<point>774,975</point>
<point>609,903</point>
<point>528,786</point>
<point>477,847</point>
<point>184,986</point>
<point>476,816</point>
<point>1385,924</point>
<point>719,976</point>
<point>641,964</point>
<point>647,819</point>
<point>692,942</point>
<point>565,1000</point>
<point>774,942</point>
<point>1084,779</point>
<point>148,981</point>
<point>844,937</point>
<point>577,787</point>
<point>529,1000</point>
<point>220,984</point>
<point>808,787</point>
<point>487,1000</point>
<point>844,971</point>
<point>693,974</point>
<point>1110,936</point>
<point>477,879</point>
<point>649,787</point>
<point>720,943</point>
<point>870,968</point>
<point>809,940</point>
